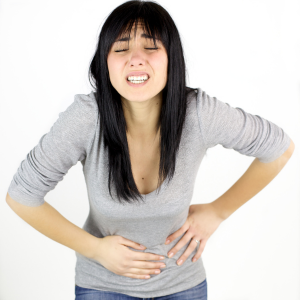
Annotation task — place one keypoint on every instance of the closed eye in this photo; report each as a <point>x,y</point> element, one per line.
<point>127,49</point>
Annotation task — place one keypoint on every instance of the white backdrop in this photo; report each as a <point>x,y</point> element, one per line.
<point>245,53</point>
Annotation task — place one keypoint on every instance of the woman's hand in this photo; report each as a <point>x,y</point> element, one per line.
<point>200,224</point>
<point>113,253</point>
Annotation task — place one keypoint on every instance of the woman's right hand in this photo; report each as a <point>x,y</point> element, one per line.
<point>112,252</point>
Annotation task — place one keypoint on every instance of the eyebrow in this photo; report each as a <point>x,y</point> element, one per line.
<point>144,35</point>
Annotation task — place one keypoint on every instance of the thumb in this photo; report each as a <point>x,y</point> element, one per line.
<point>133,244</point>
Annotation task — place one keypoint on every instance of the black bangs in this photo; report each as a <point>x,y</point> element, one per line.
<point>147,14</point>
<point>151,31</point>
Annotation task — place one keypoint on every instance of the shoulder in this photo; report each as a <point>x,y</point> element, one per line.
<point>86,103</point>
<point>78,121</point>
<point>210,107</point>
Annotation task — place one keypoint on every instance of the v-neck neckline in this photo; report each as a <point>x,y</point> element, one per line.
<point>152,194</point>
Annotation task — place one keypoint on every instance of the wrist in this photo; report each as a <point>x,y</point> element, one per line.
<point>219,212</point>
<point>95,248</point>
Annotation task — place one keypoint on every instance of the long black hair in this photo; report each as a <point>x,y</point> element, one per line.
<point>156,22</point>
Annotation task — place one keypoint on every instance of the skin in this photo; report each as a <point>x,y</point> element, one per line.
<point>141,105</point>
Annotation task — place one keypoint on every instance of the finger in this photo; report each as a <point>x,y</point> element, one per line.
<point>177,233</point>
<point>200,250</point>
<point>132,244</point>
<point>142,256</point>
<point>191,247</point>
<point>148,265</point>
<point>183,241</point>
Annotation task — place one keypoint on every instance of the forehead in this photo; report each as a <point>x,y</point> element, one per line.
<point>138,25</point>
<point>140,33</point>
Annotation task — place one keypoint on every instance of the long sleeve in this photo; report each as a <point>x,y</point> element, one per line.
<point>233,128</point>
<point>57,151</point>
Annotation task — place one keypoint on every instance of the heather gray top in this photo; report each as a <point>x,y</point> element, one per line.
<point>75,137</point>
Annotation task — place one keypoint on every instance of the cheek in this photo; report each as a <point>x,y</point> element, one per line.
<point>161,66</point>
<point>110,66</point>
<point>113,68</point>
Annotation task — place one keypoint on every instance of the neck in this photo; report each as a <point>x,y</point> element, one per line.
<point>142,118</point>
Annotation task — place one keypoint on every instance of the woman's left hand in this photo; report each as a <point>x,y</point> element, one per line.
<point>200,224</point>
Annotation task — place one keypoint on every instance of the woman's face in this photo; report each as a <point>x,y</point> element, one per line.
<point>137,57</point>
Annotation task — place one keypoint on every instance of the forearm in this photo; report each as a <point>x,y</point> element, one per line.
<point>48,221</point>
<point>256,177</point>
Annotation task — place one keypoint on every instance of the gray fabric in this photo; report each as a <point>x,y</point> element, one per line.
<point>75,137</point>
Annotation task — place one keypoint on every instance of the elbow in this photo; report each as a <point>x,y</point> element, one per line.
<point>285,157</point>
<point>289,152</point>
<point>9,200</point>
<point>292,145</point>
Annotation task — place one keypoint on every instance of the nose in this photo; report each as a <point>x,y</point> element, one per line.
<point>137,57</point>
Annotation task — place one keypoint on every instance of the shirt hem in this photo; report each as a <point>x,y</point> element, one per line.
<point>160,293</point>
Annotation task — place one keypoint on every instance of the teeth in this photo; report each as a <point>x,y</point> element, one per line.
<point>133,81</point>
<point>137,78</point>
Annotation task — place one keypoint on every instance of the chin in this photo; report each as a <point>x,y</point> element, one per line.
<point>137,96</point>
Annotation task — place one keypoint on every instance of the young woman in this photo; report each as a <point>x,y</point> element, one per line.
<point>141,137</point>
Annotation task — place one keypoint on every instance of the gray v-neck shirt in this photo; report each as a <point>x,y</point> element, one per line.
<point>75,137</point>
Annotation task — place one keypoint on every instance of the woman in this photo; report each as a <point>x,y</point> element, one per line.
<point>141,137</point>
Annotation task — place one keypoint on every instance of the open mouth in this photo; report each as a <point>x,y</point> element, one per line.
<point>137,82</point>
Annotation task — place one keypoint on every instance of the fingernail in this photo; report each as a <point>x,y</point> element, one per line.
<point>142,247</point>
<point>167,242</point>
<point>180,262</point>
<point>171,254</point>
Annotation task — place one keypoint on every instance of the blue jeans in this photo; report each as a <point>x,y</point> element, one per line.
<point>198,292</point>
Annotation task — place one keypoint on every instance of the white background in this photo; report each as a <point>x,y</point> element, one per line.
<point>245,53</point>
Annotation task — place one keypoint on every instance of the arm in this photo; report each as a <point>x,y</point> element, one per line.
<point>67,142</point>
<point>51,223</point>
<point>257,176</point>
